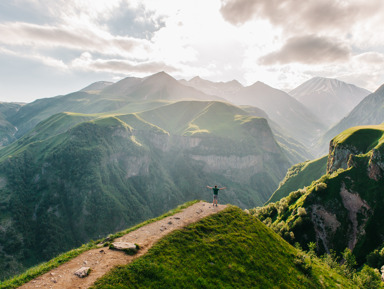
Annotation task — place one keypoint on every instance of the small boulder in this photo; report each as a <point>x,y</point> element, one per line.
<point>129,248</point>
<point>83,272</point>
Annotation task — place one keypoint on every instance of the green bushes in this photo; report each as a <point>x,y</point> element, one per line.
<point>366,278</point>
<point>375,259</point>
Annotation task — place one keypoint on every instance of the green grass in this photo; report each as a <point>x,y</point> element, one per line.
<point>299,176</point>
<point>230,249</point>
<point>363,138</point>
<point>200,117</point>
<point>39,270</point>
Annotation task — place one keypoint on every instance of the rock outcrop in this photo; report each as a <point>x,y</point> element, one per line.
<point>83,272</point>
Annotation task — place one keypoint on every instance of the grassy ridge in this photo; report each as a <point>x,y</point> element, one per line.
<point>364,138</point>
<point>67,256</point>
<point>230,249</point>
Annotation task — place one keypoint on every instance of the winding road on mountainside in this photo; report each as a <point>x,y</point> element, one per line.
<point>102,260</point>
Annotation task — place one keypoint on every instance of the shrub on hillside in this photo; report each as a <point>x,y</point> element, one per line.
<point>368,278</point>
<point>320,187</point>
<point>375,259</point>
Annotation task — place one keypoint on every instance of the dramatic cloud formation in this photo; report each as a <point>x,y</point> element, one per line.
<point>280,42</point>
<point>298,15</point>
<point>309,50</point>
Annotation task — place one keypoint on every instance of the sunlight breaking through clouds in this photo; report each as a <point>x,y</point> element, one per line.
<point>279,42</point>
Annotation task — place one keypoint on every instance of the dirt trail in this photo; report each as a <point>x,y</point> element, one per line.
<point>102,260</point>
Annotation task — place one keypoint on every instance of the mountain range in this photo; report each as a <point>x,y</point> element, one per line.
<point>152,91</point>
<point>76,176</point>
<point>82,165</point>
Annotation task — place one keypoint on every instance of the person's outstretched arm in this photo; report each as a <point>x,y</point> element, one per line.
<point>223,188</point>
<point>209,187</point>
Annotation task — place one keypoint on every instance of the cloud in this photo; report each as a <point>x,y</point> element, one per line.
<point>86,62</point>
<point>38,36</point>
<point>309,49</point>
<point>371,58</point>
<point>297,15</point>
<point>46,60</point>
<point>125,66</point>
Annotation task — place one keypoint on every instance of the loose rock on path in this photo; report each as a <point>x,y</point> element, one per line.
<point>102,260</point>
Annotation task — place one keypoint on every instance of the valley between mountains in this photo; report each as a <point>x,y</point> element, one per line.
<point>308,163</point>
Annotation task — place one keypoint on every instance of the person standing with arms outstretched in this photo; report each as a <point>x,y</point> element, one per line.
<point>215,193</point>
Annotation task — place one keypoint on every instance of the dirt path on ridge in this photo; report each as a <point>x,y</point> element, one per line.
<point>102,260</point>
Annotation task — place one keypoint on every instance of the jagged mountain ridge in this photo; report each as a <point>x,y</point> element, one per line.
<point>158,86</point>
<point>222,89</point>
<point>329,99</point>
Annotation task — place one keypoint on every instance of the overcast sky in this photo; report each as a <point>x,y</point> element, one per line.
<point>52,47</point>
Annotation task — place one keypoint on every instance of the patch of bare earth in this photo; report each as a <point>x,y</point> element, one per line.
<point>102,260</point>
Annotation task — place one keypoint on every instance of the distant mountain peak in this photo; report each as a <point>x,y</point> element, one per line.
<point>235,82</point>
<point>160,76</point>
<point>323,84</point>
<point>196,78</point>
<point>98,85</point>
<point>260,84</point>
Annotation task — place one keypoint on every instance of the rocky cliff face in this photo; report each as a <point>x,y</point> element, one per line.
<point>340,156</point>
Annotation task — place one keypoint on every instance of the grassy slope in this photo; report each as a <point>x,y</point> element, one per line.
<point>7,129</point>
<point>299,176</point>
<point>230,249</point>
<point>38,270</point>
<point>52,126</point>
